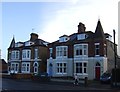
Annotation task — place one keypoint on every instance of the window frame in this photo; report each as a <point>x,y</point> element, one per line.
<point>14,55</point>
<point>79,50</point>
<point>97,49</point>
<point>25,67</point>
<point>61,51</point>
<point>61,68</point>
<point>26,54</point>
<point>81,69</point>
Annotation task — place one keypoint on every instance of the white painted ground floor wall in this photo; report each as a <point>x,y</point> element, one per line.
<point>67,66</point>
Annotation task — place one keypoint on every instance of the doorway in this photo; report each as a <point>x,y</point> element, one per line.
<point>97,71</point>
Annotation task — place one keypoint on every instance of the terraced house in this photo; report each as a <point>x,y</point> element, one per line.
<point>87,53</point>
<point>29,56</point>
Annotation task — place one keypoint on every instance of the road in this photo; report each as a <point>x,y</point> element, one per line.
<point>15,84</point>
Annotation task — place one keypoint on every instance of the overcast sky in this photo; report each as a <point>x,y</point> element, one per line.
<point>51,19</point>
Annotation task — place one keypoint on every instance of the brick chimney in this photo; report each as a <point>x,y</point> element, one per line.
<point>34,36</point>
<point>81,28</point>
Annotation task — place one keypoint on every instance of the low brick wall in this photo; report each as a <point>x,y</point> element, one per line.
<point>18,76</point>
<point>22,76</point>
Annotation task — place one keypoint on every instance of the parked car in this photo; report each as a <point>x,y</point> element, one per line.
<point>105,78</point>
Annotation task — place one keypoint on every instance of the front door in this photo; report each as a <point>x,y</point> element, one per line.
<point>97,73</point>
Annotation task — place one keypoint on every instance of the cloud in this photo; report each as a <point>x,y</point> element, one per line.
<point>67,19</point>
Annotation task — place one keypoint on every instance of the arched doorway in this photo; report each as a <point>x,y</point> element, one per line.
<point>97,71</point>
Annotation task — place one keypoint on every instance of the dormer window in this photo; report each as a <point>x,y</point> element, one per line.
<point>18,44</point>
<point>108,36</point>
<point>29,43</point>
<point>63,38</point>
<point>81,36</point>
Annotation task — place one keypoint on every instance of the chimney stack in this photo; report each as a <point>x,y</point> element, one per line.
<point>34,36</point>
<point>81,28</point>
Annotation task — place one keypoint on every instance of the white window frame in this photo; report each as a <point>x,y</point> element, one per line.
<point>97,49</point>
<point>60,68</point>
<point>61,51</point>
<point>51,51</point>
<point>36,67</point>
<point>26,54</point>
<point>15,54</point>
<point>83,67</point>
<point>36,53</point>
<point>80,47</point>
<point>63,39</point>
<point>81,36</point>
<point>25,68</point>
<point>14,67</point>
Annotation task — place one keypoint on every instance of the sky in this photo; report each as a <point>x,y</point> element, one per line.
<point>51,19</point>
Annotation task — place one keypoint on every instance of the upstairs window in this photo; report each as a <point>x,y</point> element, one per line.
<point>97,48</point>
<point>51,51</point>
<point>80,50</point>
<point>36,53</point>
<point>61,51</point>
<point>81,36</point>
<point>63,38</point>
<point>15,54</point>
<point>26,54</point>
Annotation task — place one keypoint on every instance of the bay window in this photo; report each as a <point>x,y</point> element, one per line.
<point>26,54</point>
<point>80,49</point>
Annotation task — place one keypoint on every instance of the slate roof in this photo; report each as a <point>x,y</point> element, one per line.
<point>99,33</point>
<point>12,43</point>
<point>35,42</point>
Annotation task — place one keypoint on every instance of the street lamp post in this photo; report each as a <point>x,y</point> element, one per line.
<point>114,56</point>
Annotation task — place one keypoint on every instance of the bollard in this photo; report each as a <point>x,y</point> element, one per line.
<point>86,81</point>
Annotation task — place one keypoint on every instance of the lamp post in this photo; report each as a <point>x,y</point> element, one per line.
<point>114,57</point>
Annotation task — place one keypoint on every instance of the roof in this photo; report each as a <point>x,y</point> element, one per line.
<point>63,36</point>
<point>99,33</point>
<point>12,43</point>
<point>3,61</point>
<point>34,42</point>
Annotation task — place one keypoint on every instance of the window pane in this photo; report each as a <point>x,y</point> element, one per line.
<point>85,64</point>
<point>81,70</point>
<point>80,51</point>
<point>60,64</point>
<point>64,70</point>
<point>64,64</point>
<point>60,70</point>
<point>85,70</point>
<point>80,64</point>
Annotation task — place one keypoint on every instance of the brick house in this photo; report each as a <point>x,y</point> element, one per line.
<point>3,66</point>
<point>87,53</point>
<point>29,56</point>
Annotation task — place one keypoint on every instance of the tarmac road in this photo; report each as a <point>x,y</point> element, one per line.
<point>16,85</point>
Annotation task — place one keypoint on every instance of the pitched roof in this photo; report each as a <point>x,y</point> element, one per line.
<point>12,43</point>
<point>99,33</point>
<point>3,61</point>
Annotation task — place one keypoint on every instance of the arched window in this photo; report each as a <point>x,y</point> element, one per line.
<point>97,64</point>
<point>35,65</point>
